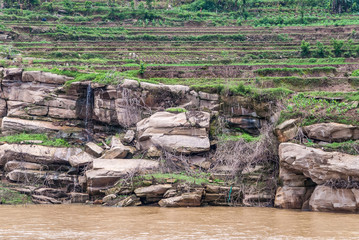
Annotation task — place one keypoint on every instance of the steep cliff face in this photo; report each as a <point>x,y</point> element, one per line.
<point>169,129</point>
<point>172,126</point>
<point>319,180</point>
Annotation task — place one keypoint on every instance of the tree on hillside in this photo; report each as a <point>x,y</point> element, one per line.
<point>340,6</point>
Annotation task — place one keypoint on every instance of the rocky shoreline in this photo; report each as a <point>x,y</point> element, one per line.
<point>146,144</point>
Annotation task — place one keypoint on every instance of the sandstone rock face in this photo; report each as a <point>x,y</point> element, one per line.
<point>17,125</point>
<point>36,154</point>
<point>106,172</point>
<point>118,150</point>
<point>129,202</point>
<point>318,165</point>
<point>332,132</point>
<point>185,200</point>
<point>44,77</point>
<point>130,135</point>
<point>81,159</point>
<point>152,193</point>
<point>30,176</point>
<point>249,124</point>
<point>290,197</point>
<point>287,130</point>
<point>182,132</point>
<point>13,73</point>
<point>79,197</point>
<point>12,165</point>
<point>93,149</point>
<point>304,170</point>
<point>327,199</point>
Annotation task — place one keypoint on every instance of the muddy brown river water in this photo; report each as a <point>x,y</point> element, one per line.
<point>93,222</point>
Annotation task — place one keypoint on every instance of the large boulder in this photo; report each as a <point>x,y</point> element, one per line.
<point>185,200</point>
<point>152,193</point>
<point>318,165</point>
<point>327,199</point>
<point>287,130</point>
<point>183,132</point>
<point>106,172</point>
<point>36,154</point>
<point>81,159</point>
<point>332,132</point>
<point>290,197</point>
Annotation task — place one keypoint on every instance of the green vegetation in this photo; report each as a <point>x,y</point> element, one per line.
<point>349,147</point>
<point>176,110</point>
<point>197,179</point>
<point>8,196</point>
<point>322,109</point>
<point>36,139</point>
<point>245,136</point>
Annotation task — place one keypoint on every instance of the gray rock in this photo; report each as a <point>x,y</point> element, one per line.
<point>185,200</point>
<point>332,132</point>
<point>129,136</point>
<point>79,197</point>
<point>93,149</point>
<point>81,159</point>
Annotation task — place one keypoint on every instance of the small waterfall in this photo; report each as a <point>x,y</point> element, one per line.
<point>88,112</point>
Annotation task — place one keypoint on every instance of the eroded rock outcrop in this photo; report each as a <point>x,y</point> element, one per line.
<point>332,132</point>
<point>318,165</point>
<point>106,172</point>
<point>307,175</point>
<point>182,132</point>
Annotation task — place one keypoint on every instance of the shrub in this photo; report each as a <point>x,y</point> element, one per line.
<point>337,47</point>
<point>320,50</point>
<point>305,51</point>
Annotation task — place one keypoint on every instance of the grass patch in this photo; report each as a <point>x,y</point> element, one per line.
<point>317,110</point>
<point>198,179</point>
<point>28,138</point>
<point>349,147</point>
<point>176,110</point>
<point>245,136</point>
<point>8,196</point>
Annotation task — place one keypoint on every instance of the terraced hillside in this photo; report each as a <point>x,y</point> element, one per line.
<point>245,68</point>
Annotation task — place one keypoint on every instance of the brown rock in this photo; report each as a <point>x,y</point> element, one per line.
<point>152,193</point>
<point>129,202</point>
<point>81,159</point>
<point>185,200</point>
<point>327,199</point>
<point>317,164</point>
<point>290,197</point>
<point>44,77</point>
<point>287,130</point>
<point>93,149</point>
<point>332,132</point>
<point>79,197</point>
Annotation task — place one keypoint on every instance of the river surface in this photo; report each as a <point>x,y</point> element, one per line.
<point>96,222</point>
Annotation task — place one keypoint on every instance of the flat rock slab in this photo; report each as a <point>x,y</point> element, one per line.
<point>36,154</point>
<point>332,132</point>
<point>17,125</point>
<point>106,172</point>
<point>44,77</point>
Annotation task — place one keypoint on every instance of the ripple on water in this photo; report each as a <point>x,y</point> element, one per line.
<point>90,222</point>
